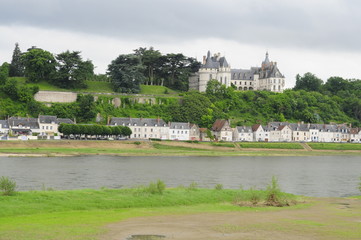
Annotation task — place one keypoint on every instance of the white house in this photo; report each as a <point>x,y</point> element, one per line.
<point>260,134</point>
<point>243,134</point>
<point>183,131</point>
<point>222,130</point>
<point>143,128</point>
<point>355,135</point>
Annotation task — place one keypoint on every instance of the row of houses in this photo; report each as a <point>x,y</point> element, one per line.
<point>222,131</point>
<point>46,127</point>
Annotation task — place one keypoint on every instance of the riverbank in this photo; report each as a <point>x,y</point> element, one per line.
<point>179,213</point>
<point>171,148</point>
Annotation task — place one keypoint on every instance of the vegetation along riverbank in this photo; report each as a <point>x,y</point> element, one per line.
<point>172,148</point>
<point>154,209</point>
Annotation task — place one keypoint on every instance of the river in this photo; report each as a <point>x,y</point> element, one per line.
<point>318,176</point>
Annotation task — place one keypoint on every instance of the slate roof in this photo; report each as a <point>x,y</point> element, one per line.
<point>137,122</point>
<point>25,122</point>
<point>215,62</point>
<point>244,129</point>
<point>47,119</point>
<point>179,125</point>
<point>4,124</point>
<point>64,120</point>
<point>241,74</point>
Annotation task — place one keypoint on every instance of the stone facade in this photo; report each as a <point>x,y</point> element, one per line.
<point>267,77</point>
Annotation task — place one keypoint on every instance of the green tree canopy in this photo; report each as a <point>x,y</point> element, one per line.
<point>308,82</point>
<point>72,70</point>
<point>16,66</point>
<point>40,65</point>
<point>126,73</point>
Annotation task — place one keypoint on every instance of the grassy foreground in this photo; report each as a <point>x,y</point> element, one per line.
<point>83,214</point>
<point>170,148</point>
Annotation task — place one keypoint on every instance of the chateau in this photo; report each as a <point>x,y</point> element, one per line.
<point>267,77</point>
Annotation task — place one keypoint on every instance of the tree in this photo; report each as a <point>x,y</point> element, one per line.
<point>4,72</point>
<point>40,65</point>
<point>86,110</point>
<point>126,73</point>
<point>126,131</point>
<point>336,84</point>
<point>308,82</point>
<point>150,59</point>
<point>16,66</point>
<point>72,70</point>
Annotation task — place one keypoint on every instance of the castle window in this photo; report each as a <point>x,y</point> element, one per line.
<point>210,76</point>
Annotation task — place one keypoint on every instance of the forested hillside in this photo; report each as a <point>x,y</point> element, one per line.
<point>312,100</point>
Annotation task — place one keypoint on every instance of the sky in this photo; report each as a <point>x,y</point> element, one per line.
<point>322,37</point>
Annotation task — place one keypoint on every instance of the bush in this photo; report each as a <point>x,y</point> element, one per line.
<point>156,188</point>
<point>193,186</point>
<point>7,186</point>
<point>218,186</point>
<point>137,143</point>
<point>274,194</point>
<point>254,196</point>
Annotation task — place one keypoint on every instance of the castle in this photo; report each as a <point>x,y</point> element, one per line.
<point>267,77</point>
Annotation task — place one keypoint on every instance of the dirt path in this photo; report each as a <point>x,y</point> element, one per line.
<point>335,218</point>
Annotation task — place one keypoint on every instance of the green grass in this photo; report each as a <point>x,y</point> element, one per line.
<point>180,148</point>
<point>99,87</point>
<point>219,144</point>
<point>335,146</point>
<point>82,214</point>
<point>270,145</point>
<point>156,90</point>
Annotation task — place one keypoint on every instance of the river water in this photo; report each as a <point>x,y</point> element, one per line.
<point>319,176</point>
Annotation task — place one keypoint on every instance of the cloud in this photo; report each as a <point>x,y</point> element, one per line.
<point>322,24</point>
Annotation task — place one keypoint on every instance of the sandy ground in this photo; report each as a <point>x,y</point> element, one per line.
<point>336,218</point>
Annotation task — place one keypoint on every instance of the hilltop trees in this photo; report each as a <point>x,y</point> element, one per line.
<point>126,73</point>
<point>16,66</point>
<point>308,82</point>
<point>72,71</point>
<point>40,65</point>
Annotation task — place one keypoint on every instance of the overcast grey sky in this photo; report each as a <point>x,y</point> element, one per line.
<point>318,36</point>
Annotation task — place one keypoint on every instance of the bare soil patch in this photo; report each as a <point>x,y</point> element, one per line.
<point>336,218</point>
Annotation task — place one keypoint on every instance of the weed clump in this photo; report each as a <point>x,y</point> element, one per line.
<point>156,187</point>
<point>218,186</point>
<point>7,186</point>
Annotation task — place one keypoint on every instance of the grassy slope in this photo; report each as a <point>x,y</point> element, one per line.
<point>335,146</point>
<point>99,87</point>
<point>82,214</point>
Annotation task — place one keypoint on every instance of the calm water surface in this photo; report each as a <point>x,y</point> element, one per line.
<point>324,176</point>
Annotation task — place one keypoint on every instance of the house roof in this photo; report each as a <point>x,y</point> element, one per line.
<point>137,121</point>
<point>4,124</point>
<point>47,119</point>
<point>244,129</point>
<point>64,120</point>
<point>25,122</point>
<point>179,125</point>
<point>255,127</point>
<point>219,124</point>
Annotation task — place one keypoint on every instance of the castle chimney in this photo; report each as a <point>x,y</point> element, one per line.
<point>204,60</point>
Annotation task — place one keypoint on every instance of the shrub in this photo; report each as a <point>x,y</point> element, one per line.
<point>274,194</point>
<point>156,188</point>
<point>7,186</point>
<point>218,186</point>
<point>137,143</point>
<point>254,196</point>
<point>193,186</point>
